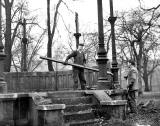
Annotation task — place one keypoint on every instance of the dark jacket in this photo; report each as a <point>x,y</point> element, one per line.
<point>79,58</point>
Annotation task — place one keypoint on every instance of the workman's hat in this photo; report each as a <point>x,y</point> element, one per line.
<point>132,62</point>
<point>81,44</point>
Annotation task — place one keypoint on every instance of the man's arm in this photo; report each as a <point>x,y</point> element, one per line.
<point>132,80</point>
<point>73,54</point>
<point>84,58</point>
<point>126,77</point>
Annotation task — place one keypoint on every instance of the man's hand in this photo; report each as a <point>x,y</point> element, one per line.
<point>130,86</point>
<point>126,77</point>
<point>65,62</point>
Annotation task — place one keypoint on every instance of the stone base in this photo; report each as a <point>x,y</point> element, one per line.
<point>112,111</point>
<point>51,115</point>
<point>110,107</point>
<point>116,85</point>
<point>103,85</point>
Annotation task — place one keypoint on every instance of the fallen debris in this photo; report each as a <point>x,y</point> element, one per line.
<point>39,100</point>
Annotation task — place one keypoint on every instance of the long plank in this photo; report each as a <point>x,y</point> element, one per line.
<point>72,64</point>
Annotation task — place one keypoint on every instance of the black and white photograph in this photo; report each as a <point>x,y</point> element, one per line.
<point>79,63</point>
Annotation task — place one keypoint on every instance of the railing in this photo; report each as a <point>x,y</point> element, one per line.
<point>45,81</point>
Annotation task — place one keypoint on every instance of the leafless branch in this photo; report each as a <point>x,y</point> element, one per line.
<point>149,9</point>
<point>55,18</point>
<point>67,7</point>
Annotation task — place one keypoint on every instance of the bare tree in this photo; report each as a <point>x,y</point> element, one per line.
<point>8,40</point>
<point>137,37</point>
<point>15,12</point>
<point>11,28</point>
<point>51,32</point>
<point>33,47</point>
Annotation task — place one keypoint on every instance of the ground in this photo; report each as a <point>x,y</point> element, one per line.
<point>145,117</point>
<point>148,114</point>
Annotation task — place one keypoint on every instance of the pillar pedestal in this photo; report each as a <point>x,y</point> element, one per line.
<point>51,115</point>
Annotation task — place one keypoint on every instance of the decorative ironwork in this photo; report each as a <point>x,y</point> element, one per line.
<point>114,68</point>
<point>103,81</point>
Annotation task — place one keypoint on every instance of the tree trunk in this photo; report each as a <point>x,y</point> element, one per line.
<point>49,54</point>
<point>49,45</point>
<point>140,76</point>
<point>7,61</point>
<point>151,81</point>
<point>51,34</point>
<point>145,75</point>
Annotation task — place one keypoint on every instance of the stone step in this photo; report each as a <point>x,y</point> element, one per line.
<point>72,101</point>
<point>66,94</point>
<point>78,107</point>
<point>79,116</point>
<point>91,122</point>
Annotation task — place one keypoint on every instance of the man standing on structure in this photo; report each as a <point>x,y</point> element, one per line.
<point>79,58</point>
<point>132,85</point>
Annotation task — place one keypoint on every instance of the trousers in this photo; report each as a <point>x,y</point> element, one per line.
<point>132,101</point>
<point>79,74</point>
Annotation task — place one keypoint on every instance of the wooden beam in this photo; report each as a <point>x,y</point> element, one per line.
<point>71,64</point>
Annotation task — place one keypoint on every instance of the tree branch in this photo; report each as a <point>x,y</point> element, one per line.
<point>55,18</point>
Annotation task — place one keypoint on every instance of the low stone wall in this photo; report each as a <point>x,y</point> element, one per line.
<point>7,109</point>
<point>19,109</point>
<point>110,103</point>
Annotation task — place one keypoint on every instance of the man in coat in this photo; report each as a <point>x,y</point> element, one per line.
<point>132,85</point>
<point>78,73</point>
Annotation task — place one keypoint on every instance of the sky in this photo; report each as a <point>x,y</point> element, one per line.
<point>87,9</point>
<point>87,12</point>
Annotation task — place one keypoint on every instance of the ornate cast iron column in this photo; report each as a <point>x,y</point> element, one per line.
<point>3,84</point>
<point>103,82</point>
<point>114,68</point>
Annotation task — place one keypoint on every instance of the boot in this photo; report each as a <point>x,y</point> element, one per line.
<point>83,87</point>
<point>75,86</point>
